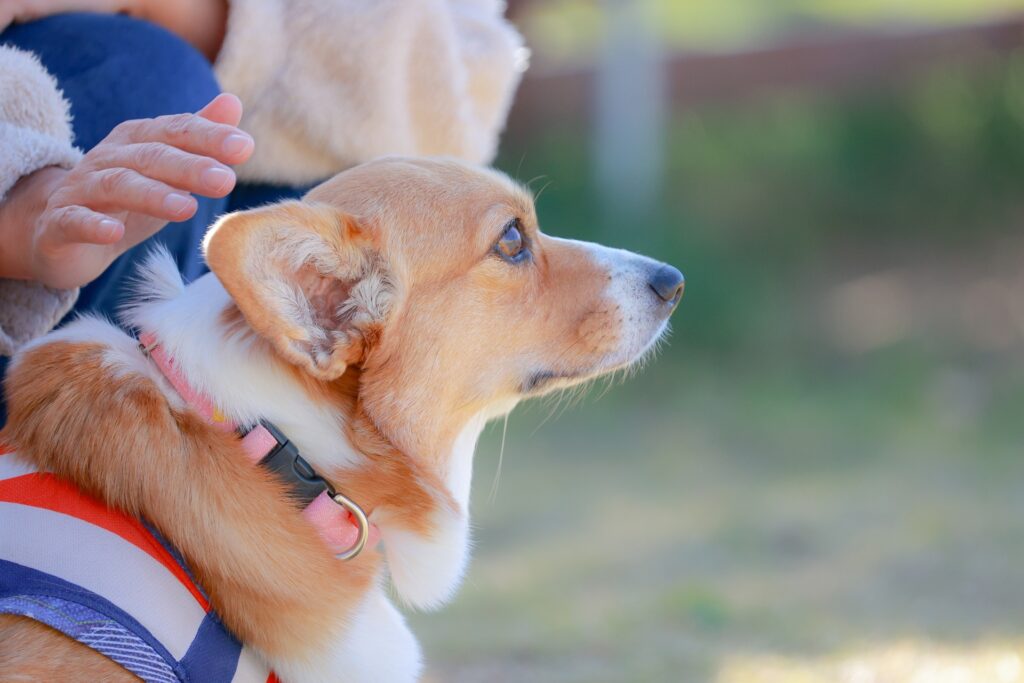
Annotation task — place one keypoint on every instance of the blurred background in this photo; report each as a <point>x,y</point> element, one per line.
<point>820,477</point>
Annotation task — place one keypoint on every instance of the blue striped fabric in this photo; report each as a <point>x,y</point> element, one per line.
<point>99,624</point>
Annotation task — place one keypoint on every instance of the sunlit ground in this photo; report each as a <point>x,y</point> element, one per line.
<point>821,477</point>
<point>908,662</point>
<point>856,516</point>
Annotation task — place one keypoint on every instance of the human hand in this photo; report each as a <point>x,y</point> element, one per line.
<point>124,190</point>
<point>28,10</point>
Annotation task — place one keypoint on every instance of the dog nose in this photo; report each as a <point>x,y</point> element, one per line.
<point>668,283</point>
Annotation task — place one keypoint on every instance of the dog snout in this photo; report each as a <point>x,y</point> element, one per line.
<point>668,283</point>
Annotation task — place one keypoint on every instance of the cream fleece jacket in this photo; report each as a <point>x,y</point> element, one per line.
<point>328,84</point>
<point>35,132</point>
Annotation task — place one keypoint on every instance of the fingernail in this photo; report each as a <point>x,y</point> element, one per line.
<point>108,228</point>
<point>177,203</point>
<point>236,143</point>
<point>216,179</point>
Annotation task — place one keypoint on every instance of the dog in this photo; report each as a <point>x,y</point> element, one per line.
<point>368,332</point>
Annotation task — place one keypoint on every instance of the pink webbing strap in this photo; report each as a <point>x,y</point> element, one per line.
<point>199,403</point>
<point>336,525</point>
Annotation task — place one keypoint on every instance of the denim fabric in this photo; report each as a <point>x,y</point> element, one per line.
<point>113,68</point>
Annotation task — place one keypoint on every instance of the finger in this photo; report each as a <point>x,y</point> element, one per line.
<point>191,133</point>
<point>224,108</point>
<point>78,224</point>
<point>114,190</point>
<point>184,171</point>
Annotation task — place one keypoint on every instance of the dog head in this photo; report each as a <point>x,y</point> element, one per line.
<point>434,279</point>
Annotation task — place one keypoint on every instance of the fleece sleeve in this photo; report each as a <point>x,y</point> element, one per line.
<point>35,132</point>
<point>328,84</point>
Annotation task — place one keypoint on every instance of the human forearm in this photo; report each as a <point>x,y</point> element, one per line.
<point>201,23</point>
<point>19,213</point>
<point>35,148</point>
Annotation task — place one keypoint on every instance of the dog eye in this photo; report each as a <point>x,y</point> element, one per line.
<point>510,247</point>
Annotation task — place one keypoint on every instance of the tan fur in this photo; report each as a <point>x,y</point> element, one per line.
<point>391,479</point>
<point>466,326</point>
<point>258,252</point>
<point>178,481</point>
<point>31,652</point>
<point>433,224</point>
<point>380,297</point>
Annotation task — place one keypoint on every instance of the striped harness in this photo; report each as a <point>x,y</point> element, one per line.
<point>110,582</point>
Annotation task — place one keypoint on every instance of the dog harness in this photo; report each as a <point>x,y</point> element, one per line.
<point>111,582</point>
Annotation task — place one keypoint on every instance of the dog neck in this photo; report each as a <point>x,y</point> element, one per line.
<point>238,372</point>
<point>219,355</point>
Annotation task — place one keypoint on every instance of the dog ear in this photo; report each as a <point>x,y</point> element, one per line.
<point>306,277</point>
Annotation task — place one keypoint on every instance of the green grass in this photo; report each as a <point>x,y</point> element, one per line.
<point>658,539</point>
<point>822,470</point>
<point>571,30</point>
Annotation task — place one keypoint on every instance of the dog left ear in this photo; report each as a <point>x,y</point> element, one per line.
<point>307,277</point>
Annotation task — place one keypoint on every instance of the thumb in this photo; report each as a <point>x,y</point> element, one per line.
<point>224,108</point>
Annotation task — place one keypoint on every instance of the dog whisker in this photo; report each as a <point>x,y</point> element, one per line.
<point>501,459</point>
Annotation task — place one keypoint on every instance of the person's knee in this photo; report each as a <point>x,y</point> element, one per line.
<point>113,68</point>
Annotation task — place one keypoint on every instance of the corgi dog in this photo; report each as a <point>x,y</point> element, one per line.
<point>345,351</point>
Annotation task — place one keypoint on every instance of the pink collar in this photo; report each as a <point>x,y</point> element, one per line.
<point>341,523</point>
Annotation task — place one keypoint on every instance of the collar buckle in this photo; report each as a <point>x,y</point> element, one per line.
<point>305,485</point>
<point>362,525</point>
<point>276,453</point>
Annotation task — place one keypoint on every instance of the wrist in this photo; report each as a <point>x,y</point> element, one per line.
<point>201,23</point>
<point>19,218</point>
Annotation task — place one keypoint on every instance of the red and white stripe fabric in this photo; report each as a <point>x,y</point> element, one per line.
<point>48,525</point>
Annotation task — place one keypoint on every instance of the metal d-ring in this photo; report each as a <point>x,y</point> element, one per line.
<point>361,522</point>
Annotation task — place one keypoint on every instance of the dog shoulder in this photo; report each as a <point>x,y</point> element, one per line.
<point>111,352</point>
